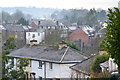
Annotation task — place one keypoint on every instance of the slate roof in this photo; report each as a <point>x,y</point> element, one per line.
<point>102,30</point>
<point>84,66</point>
<point>48,23</point>
<point>89,30</point>
<point>46,53</point>
<point>13,27</point>
<point>105,64</point>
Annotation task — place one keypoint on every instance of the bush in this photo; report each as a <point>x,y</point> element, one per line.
<point>97,60</point>
<point>73,45</point>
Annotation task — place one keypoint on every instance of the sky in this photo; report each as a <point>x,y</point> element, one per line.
<point>61,4</point>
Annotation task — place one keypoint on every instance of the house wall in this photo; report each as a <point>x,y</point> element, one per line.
<point>79,75</point>
<point>34,26</point>
<point>39,36</point>
<point>36,69</point>
<point>79,34</point>
<point>59,71</point>
<point>112,65</point>
<point>19,35</point>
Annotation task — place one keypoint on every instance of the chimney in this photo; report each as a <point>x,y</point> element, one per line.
<point>38,22</point>
<point>63,44</point>
<point>57,23</point>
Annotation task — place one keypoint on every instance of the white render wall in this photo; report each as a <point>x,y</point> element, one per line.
<point>39,36</point>
<point>112,65</point>
<point>35,68</point>
<point>58,71</point>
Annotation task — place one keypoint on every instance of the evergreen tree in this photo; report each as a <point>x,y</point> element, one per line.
<point>112,40</point>
<point>22,21</point>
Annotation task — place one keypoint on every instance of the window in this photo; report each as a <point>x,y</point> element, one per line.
<point>50,66</point>
<point>40,64</point>
<point>42,27</point>
<point>30,63</point>
<point>28,34</point>
<point>33,36</point>
<point>57,79</point>
<point>38,34</point>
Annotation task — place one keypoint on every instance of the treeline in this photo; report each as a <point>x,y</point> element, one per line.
<point>17,17</point>
<point>90,17</point>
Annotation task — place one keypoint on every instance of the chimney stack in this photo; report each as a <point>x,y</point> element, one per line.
<point>38,22</point>
<point>63,44</point>
<point>57,23</point>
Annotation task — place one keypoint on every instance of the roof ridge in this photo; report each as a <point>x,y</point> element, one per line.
<point>82,61</point>
<point>80,52</point>
<point>64,54</point>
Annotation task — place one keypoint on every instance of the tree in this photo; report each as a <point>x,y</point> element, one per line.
<point>112,39</point>
<point>5,16</point>
<point>17,15</point>
<point>22,21</point>
<point>73,45</point>
<point>10,43</point>
<point>18,73</point>
<point>91,18</point>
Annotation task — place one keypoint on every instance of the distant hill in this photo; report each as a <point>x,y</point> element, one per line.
<point>35,12</point>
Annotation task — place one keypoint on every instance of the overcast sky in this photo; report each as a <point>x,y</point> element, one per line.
<point>61,4</point>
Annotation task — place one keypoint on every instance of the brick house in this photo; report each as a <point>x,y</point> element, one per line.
<point>82,34</point>
<point>33,26</point>
<point>18,31</point>
<point>79,35</point>
<point>55,31</point>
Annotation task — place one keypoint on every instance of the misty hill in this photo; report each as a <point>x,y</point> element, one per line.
<point>35,12</point>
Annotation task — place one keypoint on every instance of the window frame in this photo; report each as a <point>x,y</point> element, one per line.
<point>50,65</point>
<point>40,64</point>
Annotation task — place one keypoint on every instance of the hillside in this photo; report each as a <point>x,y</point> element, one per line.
<point>35,12</point>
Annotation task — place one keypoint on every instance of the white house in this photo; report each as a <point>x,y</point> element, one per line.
<point>109,66</point>
<point>49,62</point>
<point>112,65</point>
<point>35,37</point>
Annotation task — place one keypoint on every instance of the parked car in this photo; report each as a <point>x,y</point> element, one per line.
<point>115,76</point>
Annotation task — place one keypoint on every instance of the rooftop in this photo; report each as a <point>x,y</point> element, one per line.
<point>13,27</point>
<point>84,66</point>
<point>50,54</point>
